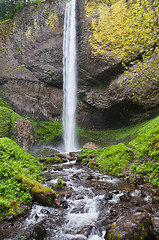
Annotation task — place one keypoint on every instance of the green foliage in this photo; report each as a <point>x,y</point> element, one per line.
<point>47,131</point>
<point>52,160</point>
<point>59,184</point>
<point>13,162</point>
<point>86,154</point>
<point>143,77</point>
<point>7,120</point>
<point>115,159</point>
<point>146,135</point>
<point>108,137</point>
<point>4,103</point>
<point>150,169</point>
<point>8,8</point>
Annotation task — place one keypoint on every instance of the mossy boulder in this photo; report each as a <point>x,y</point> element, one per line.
<point>138,226</point>
<point>41,193</point>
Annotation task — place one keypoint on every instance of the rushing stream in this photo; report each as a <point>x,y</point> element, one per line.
<point>89,202</point>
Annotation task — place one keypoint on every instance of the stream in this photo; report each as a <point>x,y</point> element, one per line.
<point>89,202</point>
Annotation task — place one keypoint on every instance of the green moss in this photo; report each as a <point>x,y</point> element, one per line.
<point>47,131</point>
<point>115,159</point>
<point>7,120</point>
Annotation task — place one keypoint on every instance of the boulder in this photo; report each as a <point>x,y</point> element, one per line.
<point>132,227</point>
<point>91,145</point>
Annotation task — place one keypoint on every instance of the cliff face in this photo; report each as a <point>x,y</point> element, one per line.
<point>108,35</point>
<point>31,59</point>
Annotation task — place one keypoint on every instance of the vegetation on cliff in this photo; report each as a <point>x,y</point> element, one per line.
<point>123,30</point>
<point>9,7</point>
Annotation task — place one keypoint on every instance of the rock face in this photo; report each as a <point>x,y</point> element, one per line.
<point>31,60</point>
<point>31,75</point>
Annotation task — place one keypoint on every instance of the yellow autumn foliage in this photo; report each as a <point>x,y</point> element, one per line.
<point>123,29</point>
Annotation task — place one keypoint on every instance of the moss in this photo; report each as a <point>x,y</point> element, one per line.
<point>7,121</point>
<point>47,131</point>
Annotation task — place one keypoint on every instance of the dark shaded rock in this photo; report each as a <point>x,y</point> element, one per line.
<point>38,232</point>
<point>125,197</point>
<point>155,200</point>
<point>136,226</point>
<point>156,228</point>
<point>85,176</point>
<point>108,196</point>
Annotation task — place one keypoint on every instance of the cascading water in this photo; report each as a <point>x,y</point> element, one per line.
<point>69,78</point>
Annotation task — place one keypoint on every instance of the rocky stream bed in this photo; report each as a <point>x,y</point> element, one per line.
<point>91,205</point>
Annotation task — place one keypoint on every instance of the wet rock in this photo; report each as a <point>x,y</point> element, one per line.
<point>97,177</point>
<point>85,176</point>
<point>115,191</point>
<point>147,208</point>
<point>85,231</point>
<point>64,204</point>
<point>113,213</point>
<point>108,196</point>
<point>38,232</point>
<point>136,226</point>
<point>125,197</point>
<point>45,152</point>
<point>156,228</point>
<point>155,200</point>
<point>91,145</point>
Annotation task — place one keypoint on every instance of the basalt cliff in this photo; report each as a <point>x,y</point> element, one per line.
<point>31,73</point>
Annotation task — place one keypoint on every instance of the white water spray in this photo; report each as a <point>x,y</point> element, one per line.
<point>69,77</point>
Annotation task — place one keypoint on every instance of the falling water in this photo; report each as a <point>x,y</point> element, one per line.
<point>69,78</point>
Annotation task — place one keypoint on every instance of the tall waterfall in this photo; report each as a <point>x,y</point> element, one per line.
<point>69,77</point>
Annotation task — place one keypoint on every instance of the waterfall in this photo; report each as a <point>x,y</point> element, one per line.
<point>69,78</point>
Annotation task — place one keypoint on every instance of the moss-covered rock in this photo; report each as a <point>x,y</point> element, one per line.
<point>41,193</point>
<point>137,226</point>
